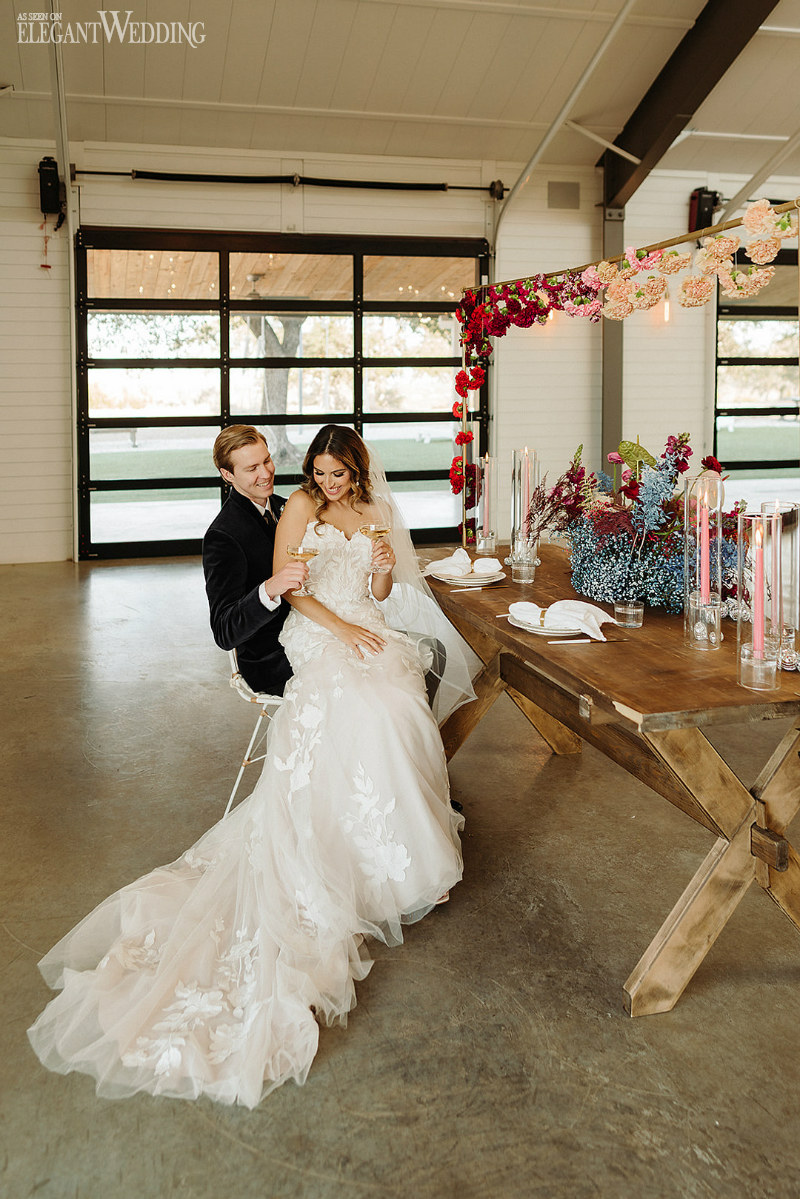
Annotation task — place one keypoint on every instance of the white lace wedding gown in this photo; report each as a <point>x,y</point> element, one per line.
<point>208,976</point>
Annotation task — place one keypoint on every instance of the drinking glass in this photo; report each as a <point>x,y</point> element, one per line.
<point>303,554</point>
<point>375,532</point>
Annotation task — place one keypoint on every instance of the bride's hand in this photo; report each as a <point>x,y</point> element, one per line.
<point>383,559</point>
<point>359,639</point>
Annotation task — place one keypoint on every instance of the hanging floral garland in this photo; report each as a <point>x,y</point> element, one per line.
<point>639,282</point>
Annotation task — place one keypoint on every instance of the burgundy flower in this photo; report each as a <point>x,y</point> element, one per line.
<point>711,463</point>
<point>630,489</point>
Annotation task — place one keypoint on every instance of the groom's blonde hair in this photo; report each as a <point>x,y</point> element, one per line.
<point>233,438</point>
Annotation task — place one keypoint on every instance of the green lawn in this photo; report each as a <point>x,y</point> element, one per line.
<point>779,439</point>
<point>150,463</point>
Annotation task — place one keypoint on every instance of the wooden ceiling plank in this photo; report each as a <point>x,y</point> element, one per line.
<point>720,33</point>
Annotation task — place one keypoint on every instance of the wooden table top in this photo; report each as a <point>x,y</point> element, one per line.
<point>647,676</point>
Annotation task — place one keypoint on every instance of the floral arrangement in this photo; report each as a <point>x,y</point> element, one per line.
<point>640,281</point>
<point>626,538</point>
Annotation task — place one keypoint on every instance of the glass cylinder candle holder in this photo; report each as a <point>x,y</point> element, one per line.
<point>702,560</point>
<point>523,559</point>
<point>785,596</point>
<point>524,479</point>
<point>758,580</point>
<point>486,535</point>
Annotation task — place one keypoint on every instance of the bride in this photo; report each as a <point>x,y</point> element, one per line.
<point>211,975</point>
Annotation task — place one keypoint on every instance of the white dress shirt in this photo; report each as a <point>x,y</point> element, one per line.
<point>267,600</point>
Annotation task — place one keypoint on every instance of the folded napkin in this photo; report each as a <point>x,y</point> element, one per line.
<point>457,564</point>
<point>486,566</point>
<point>564,614</point>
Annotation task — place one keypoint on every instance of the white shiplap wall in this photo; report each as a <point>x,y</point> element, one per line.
<point>547,391</point>
<point>35,408</point>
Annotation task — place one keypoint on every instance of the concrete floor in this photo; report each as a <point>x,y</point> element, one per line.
<point>489,1056</point>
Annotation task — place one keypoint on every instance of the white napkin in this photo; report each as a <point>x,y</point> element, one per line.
<point>457,564</point>
<point>486,566</point>
<point>564,614</point>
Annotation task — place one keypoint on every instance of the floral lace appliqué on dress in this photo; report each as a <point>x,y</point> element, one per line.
<point>211,975</point>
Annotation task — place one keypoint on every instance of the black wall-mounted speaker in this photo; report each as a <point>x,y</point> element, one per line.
<point>702,203</point>
<point>49,189</point>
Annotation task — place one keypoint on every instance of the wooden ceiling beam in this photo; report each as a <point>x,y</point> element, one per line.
<point>705,53</point>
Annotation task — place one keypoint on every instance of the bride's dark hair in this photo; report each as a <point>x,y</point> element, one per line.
<point>345,445</point>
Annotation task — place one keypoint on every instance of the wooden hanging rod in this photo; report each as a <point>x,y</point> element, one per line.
<point>695,235</point>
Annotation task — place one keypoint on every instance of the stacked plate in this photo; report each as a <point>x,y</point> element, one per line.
<point>550,631</point>
<point>469,580</point>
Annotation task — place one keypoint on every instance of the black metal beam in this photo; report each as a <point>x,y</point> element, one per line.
<point>718,36</point>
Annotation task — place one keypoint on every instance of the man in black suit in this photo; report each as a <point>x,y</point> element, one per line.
<point>247,611</point>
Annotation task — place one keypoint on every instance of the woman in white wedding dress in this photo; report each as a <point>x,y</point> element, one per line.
<point>210,975</point>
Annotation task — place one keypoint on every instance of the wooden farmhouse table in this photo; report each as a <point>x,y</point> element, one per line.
<point>644,698</point>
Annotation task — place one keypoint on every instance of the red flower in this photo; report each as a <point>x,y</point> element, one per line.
<point>464,438</point>
<point>631,490</point>
<point>462,384</point>
<point>477,377</point>
<point>458,410</point>
<point>711,463</point>
<point>457,475</point>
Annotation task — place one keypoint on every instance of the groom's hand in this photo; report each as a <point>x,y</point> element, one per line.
<point>288,578</point>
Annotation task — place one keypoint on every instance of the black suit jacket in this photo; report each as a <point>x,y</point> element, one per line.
<point>237,558</point>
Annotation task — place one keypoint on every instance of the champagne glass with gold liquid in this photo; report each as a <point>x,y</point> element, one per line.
<point>302,554</point>
<point>375,532</point>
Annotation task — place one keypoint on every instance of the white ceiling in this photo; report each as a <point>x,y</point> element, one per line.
<point>459,79</point>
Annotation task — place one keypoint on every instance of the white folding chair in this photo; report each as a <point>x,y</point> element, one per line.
<point>269,705</point>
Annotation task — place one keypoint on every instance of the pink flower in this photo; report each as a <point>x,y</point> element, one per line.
<point>615,457</point>
<point>620,288</point>
<point>633,261</point>
<point>617,310</point>
<point>640,299</point>
<point>672,261</point>
<point>591,278</point>
<point>721,246</point>
<point>707,264</point>
<point>759,219</point>
<point>606,272</point>
<point>655,287</point>
<point>763,250</point>
<point>650,260</point>
<point>695,291</point>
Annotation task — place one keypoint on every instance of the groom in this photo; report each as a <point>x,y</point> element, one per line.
<point>247,612</point>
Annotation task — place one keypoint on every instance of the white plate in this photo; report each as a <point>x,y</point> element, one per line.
<point>540,632</point>
<point>470,580</point>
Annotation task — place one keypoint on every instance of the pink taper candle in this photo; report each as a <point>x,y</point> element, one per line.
<point>758,595</point>
<point>705,582</point>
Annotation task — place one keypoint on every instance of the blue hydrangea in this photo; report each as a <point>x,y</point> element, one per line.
<point>612,569</point>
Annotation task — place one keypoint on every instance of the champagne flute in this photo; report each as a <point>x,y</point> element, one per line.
<point>303,554</point>
<point>375,532</point>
